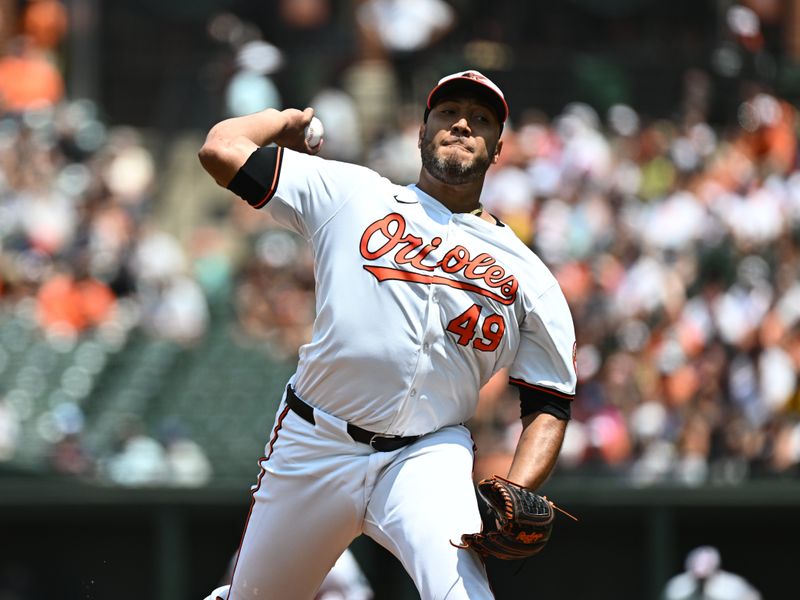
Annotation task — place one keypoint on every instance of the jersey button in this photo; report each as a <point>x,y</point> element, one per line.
<point>413,393</point>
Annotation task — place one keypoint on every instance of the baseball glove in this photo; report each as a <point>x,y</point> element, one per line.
<point>516,522</point>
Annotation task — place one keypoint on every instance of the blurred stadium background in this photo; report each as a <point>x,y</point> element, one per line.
<point>148,320</point>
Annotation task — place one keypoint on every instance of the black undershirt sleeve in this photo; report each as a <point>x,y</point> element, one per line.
<point>533,400</point>
<point>257,179</point>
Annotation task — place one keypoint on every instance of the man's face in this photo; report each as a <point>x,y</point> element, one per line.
<point>460,140</point>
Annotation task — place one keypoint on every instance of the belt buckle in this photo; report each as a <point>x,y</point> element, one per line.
<point>382,436</point>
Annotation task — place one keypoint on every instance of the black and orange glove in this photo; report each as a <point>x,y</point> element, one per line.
<point>516,521</point>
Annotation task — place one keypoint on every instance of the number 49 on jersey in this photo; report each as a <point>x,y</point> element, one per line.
<point>465,326</point>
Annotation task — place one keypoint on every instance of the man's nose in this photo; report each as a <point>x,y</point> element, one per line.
<point>462,124</point>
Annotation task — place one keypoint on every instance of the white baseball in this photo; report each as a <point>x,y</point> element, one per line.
<point>314,131</point>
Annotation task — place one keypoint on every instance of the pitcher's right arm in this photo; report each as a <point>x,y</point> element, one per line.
<point>230,143</point>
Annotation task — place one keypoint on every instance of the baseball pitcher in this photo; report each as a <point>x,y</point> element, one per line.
<point>421,297</point>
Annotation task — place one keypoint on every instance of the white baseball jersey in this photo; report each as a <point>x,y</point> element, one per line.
<point>417,307</point>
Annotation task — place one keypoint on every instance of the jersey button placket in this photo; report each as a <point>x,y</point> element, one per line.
<point>423,364</point>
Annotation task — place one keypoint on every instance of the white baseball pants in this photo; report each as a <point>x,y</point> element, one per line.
<point>318,490</point>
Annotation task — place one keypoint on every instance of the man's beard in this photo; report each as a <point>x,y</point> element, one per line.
<point>452,170</point>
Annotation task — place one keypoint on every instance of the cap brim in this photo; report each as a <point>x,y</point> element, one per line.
<point>467,84</point>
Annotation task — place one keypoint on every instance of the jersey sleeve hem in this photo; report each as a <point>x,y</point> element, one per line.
<point>276,172</point>
<point>535,398</point>
<point>540,388</point>
<point>257,180</point>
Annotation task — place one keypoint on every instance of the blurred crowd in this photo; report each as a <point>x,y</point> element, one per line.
<point>676,242</point>
<point>83,254</point>
<point>678,248</point>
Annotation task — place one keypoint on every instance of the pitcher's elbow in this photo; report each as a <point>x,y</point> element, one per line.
<point>212,159</point>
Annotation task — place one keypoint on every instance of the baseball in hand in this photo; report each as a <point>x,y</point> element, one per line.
<point>314,131</point>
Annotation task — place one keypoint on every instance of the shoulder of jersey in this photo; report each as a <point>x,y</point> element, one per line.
<point>528,265</point>
<point>359,178</point>
<point>353,169</point>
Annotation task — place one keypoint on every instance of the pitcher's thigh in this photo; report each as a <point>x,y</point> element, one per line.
<point>306,510</point>
<point>293,536</point>
<point>424,501</point>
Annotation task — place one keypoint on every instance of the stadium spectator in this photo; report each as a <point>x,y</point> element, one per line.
<point>70,303</point>
<point>28,79</point>
<point>139,459</point>
<point>9,430</point>
<point>704,579</point>
<point>46,22</point>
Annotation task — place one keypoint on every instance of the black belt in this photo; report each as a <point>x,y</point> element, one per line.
<point>378,441</point>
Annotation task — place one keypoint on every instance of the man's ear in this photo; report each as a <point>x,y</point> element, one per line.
<point>421,135</point>
<point>497,150</point>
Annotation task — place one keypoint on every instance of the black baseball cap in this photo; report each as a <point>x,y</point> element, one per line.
<point>470,81</point>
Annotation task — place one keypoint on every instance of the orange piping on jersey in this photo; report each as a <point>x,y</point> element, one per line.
<point>274,186</point>
<point>278,427</point>
<point>392,274</point>
<point>540,388</point>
